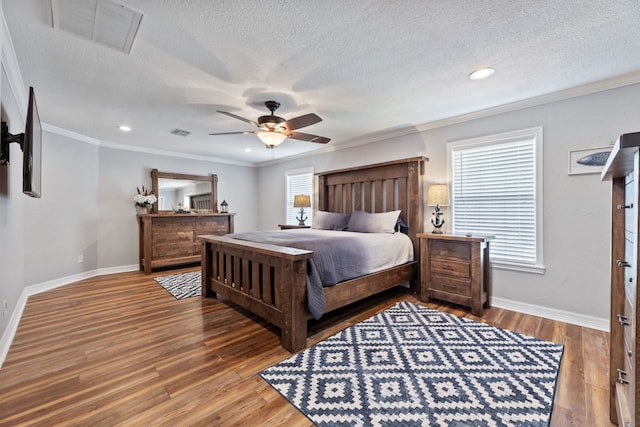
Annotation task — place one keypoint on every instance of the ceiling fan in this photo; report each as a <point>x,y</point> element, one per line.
<point>273,130</point>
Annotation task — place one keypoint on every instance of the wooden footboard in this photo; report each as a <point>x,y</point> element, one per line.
<point>268,280</point>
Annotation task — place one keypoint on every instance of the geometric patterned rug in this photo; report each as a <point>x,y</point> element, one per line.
<point>414,366</point>
<point>182,285</point>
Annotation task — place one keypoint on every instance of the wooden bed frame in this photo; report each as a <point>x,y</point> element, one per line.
<point>270,280</point>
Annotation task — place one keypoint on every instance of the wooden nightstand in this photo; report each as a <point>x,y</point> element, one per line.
<point>456,268</point>
<point>290,227</point>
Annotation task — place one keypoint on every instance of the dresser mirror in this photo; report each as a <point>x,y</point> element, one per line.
<point>178,192</point>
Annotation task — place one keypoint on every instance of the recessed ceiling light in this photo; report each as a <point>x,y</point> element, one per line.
<point>482,73</point>
<point>125,128</point>
<point>247,150</point>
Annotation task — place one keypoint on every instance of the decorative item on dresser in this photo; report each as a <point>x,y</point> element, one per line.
<point>438,195</point>
<point>456,268</point>
<point>622,168</point>
<point>144,200</point>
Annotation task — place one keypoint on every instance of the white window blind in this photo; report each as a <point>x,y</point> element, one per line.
<point>299,181</point>
<point>494,191</point>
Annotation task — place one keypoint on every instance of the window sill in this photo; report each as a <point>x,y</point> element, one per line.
<point>525,268</point>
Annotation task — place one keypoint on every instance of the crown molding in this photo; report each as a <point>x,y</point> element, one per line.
<point>70,134</point>
<point>168,153</point>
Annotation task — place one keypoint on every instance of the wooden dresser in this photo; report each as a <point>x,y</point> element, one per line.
<point>172,239</point>
<point>456,268</point>
<point>622,168</point>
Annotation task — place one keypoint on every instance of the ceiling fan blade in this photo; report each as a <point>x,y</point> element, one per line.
<point>308,137</point>
<point>301,121</point>
<point>239,118</point>
<point>233,133</point>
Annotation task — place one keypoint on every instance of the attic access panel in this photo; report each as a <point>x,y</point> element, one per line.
<point>102,21</point>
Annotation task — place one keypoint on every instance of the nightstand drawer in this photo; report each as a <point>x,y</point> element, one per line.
<point>451,285</point>
<point>443,248</point>
<point>450,267</point>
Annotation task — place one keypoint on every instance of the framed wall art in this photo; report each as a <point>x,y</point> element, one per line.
<point>589,160</point>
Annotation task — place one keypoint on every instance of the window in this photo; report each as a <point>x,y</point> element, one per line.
<point>299,181</point>
<point>496,189</point>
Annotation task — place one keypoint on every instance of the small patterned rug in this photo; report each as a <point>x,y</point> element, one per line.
<point>414,366</point>
<point>182,285</point>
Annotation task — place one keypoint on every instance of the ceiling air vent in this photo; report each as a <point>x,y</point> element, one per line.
<point>180,132</point>
<point>102,21</point>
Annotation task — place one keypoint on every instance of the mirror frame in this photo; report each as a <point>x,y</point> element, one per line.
<point>155,175</point>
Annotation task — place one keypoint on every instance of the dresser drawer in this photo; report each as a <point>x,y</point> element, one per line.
<point>443,248</point>
<point>450,267</point>
<point>451,285</point>
<point>173,250</point>
<point>214,225</point>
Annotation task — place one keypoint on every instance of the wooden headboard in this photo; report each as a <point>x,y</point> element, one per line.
<point>380,187</point>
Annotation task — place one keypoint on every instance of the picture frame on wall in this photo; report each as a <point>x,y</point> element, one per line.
<point>588,160</point>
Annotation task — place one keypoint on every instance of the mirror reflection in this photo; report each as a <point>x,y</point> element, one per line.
<point>184,193</point>
<point>175,194</point>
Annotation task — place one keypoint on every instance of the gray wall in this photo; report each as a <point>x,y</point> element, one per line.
<point>576,208</point>
<point>86,208</point>
<point>12,249</point>
<point>122,171</point>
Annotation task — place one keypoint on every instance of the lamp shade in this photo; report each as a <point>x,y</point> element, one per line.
<point>271,139</point>
<point>302,201</point>
<point>438,195</point>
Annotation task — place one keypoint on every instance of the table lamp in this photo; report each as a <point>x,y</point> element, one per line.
<point>301,201</point>
<point>437,196</point>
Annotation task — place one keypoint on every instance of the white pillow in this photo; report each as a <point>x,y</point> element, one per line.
<point>323,220</point>
<point>366,222</point>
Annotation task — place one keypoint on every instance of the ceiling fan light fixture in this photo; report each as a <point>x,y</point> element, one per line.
<point>271,139</point>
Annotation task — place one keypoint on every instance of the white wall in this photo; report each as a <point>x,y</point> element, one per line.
<point>575,286</point>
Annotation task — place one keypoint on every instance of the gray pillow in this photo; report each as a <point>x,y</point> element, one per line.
<point>323,220</point>
<point>366,222</point>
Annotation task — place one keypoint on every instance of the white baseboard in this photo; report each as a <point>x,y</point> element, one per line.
<point>12,327</point>
<point>552,313</point>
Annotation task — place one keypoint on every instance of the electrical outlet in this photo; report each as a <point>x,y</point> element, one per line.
<point>80,258</point>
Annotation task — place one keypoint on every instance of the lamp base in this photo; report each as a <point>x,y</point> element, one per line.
<point>437,231</point>
<point>302,218</point>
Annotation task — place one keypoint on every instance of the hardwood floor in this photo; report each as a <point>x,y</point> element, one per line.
<point>119,350</point>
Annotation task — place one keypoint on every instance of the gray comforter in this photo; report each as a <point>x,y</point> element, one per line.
<point>337,255</point>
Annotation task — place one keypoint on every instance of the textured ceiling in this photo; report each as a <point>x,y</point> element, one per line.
<point>367,67</point>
